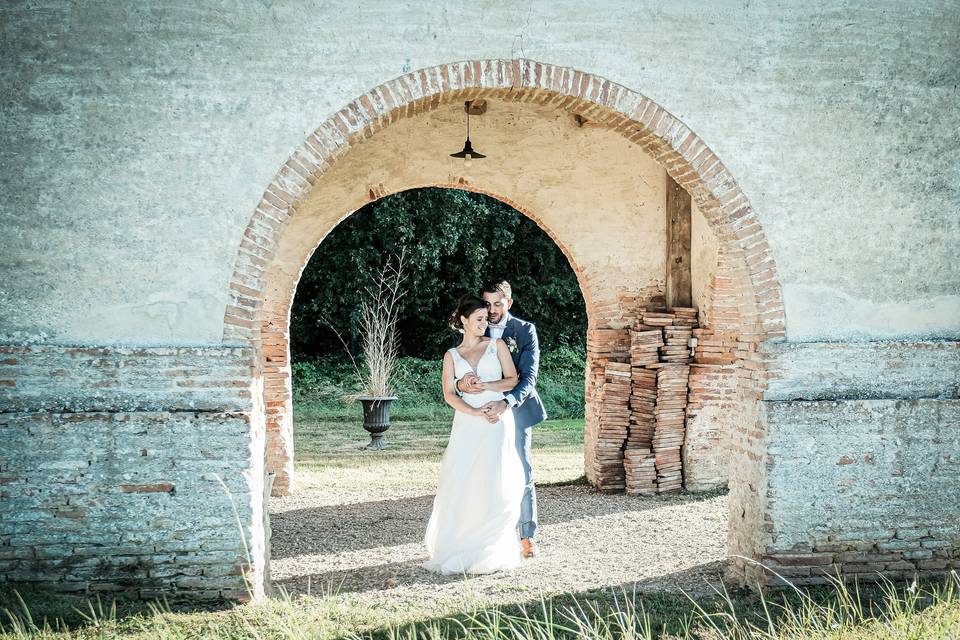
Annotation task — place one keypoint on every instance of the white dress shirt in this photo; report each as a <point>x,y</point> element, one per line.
<point>496,330</point>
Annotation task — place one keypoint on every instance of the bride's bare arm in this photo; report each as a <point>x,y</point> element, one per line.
<point>510,377</point>
<point>448,380</point>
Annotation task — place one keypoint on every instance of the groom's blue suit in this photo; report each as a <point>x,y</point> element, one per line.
<point>521,338</point>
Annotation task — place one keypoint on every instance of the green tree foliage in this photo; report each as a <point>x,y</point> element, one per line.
<point>455,241</point>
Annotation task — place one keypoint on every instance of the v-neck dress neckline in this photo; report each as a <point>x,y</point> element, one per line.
<point>473,367</point>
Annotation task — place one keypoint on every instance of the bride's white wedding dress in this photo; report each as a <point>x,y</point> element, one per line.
<point>473,526</point>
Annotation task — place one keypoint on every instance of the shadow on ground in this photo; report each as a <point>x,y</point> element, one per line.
<point>650,608</point>
<point>411,575</point>
<point>668,610</point>
<point>382,523</point>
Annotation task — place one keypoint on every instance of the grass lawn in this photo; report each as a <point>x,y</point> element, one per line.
<point>329,453</point>
<point>330,459</point>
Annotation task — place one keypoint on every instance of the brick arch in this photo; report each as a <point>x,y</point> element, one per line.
<point>744,252</point>
<point>686,158</point>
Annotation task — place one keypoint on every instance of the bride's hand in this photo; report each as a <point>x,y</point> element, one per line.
<point>471,383</point>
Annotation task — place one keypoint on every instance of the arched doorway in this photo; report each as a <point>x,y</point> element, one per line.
<point>577,152</point>
<point>355,519</point>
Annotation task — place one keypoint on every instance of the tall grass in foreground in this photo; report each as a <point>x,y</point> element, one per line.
<point>930,611</point>
<point>909,613</point>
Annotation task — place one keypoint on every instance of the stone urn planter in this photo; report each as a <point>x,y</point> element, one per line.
<point>376,418</point>
<point>379,311</point>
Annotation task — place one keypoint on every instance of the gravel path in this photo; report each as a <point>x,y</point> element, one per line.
<point>339,539</point>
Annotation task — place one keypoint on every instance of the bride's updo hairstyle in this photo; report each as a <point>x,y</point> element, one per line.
<point>465,306</point>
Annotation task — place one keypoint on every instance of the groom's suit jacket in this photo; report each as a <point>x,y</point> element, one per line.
<point>526,357</point>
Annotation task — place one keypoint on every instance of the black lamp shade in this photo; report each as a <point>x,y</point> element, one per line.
<point>467,149</point>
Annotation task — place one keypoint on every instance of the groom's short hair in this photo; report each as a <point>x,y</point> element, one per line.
<point>502,286</point>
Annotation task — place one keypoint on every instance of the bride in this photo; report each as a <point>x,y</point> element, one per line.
<point>473,525</point>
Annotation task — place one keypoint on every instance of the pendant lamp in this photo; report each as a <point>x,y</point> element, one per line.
<point>467,153</point>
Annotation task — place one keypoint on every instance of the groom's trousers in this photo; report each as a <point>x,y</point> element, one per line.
<point>528,507</point>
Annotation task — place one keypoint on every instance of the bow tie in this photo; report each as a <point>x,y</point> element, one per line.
<point>497,326</point>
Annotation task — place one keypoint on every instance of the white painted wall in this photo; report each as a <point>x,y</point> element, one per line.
<point>138,138</point>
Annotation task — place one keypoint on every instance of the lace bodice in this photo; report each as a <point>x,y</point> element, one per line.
<point>488,368</point>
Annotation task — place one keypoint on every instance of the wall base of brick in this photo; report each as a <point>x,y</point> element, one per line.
<point>864,487</point>
<point>859,444</point>
<point>146,504</point>
<point>130,492</point>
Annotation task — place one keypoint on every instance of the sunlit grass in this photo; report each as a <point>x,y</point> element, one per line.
<point>341,441</point>
<point>926,611</point>
<point>330,453</point>
<point>322,387</point>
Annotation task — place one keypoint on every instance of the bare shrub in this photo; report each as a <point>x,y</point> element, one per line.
<point>379,313</point>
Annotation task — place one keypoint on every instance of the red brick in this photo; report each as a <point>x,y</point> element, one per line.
<point>162,487</point>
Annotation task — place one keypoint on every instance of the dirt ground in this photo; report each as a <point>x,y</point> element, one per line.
<point>354,530</point>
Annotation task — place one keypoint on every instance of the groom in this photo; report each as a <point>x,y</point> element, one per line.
<point>521,339</point>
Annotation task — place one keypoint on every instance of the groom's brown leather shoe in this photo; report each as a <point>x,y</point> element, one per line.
<point>528,547</point>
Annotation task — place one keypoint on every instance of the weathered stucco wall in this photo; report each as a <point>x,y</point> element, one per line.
<point>610,224</point>
<point>138,471</point>
<point>143,136</point>
<point>859,512</point>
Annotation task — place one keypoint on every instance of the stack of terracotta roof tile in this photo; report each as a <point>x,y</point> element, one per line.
<point>645,346</point>
<point>660,354</point>
<point>609,344</point>
<point>638,460</point>
<point>676,344</point>
<point>643,399</point>
<point>641,472</point>
<point>670,413</point>
<point>684,316</point>
<point>658,317</point>
<point>608,397</point>
<point>611,414</point>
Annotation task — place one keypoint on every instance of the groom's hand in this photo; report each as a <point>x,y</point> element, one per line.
<point>495,408</point>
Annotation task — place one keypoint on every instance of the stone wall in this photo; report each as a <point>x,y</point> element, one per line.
<point>132,470</point>
<point>864,486</point>
<point>56,378</point>
<point>861,467</point>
